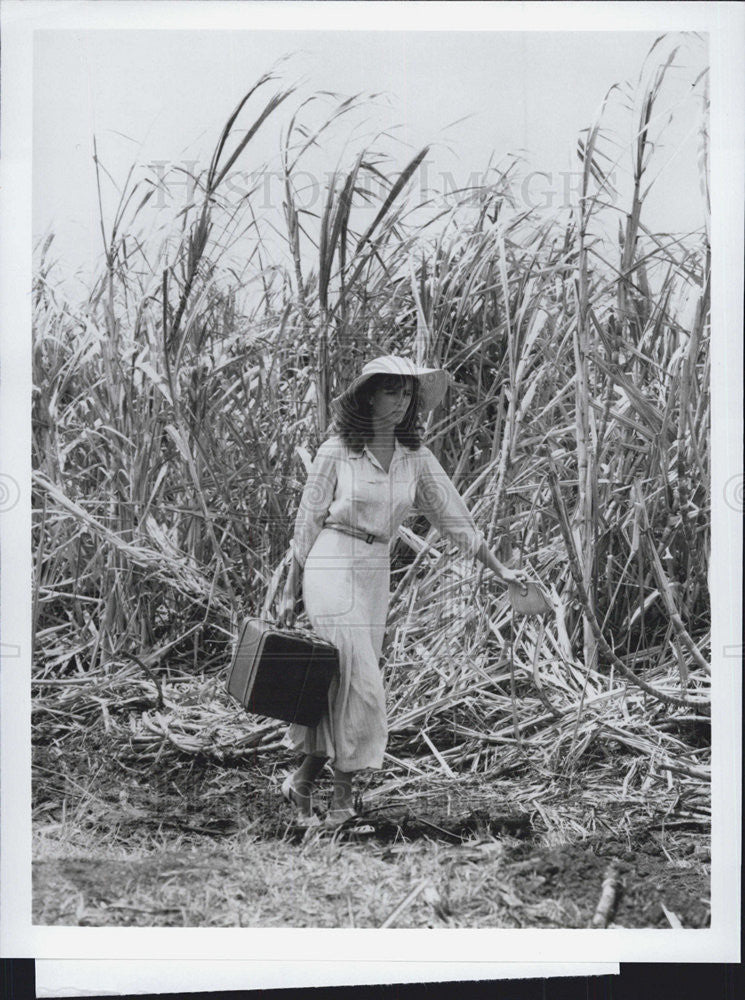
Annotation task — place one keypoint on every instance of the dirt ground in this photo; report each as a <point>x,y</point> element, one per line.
<point>481,884</point>
<point>220,850</point>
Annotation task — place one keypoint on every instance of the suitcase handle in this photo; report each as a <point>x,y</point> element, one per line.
<point>302,629</point>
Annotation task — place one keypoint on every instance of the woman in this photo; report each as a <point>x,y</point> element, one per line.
<point>363,482</point>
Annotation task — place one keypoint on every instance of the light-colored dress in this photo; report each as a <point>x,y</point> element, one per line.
<point>346,580</point>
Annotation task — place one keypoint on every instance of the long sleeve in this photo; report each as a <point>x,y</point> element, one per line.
<point>443,506</point>
<point>318,494</point>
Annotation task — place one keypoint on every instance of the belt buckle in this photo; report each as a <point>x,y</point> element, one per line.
<point>369,539</point>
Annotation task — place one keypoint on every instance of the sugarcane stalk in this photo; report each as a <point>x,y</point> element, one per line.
<point>665,589</point>
<point>584,600</point>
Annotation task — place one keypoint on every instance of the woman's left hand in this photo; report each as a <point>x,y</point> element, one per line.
<point>506,575</point>
<point>517,576</point>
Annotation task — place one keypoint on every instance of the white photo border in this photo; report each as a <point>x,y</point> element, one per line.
<point>18,936</point>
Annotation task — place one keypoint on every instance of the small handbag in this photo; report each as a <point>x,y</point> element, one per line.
<point>530,600</point>
<point>282,673</point>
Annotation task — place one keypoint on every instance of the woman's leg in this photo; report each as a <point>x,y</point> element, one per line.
<point>342,797</point>
<point>303,780</point>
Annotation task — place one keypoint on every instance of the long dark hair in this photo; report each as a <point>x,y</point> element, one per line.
<point>353,419</point>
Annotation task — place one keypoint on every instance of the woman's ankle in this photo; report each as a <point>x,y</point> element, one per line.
<point>342,796</point>
<point>302,794</point>
<point>342,799</point>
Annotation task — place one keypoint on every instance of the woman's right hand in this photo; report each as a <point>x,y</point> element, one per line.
<point>286,608</point>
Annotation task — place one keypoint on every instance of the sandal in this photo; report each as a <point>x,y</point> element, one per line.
<point>339,817</point>
<point>305,820</point>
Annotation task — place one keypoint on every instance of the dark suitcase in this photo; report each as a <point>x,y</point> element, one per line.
<point>281,673</point>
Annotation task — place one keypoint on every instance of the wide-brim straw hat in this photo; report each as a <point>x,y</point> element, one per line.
<point>433,382</point>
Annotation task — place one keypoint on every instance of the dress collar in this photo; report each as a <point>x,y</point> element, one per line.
<point>398,450</point>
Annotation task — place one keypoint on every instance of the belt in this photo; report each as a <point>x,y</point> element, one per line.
<point>345,529</point>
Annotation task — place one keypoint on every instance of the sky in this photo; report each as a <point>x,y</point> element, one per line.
<point>161,97</point>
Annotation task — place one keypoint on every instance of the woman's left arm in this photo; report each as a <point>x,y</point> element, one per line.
<point>443,506</point>
<point>487,557</point>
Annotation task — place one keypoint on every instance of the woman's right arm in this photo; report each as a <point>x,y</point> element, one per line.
<point>318,494</point>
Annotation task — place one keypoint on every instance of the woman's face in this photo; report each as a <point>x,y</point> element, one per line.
<point>390,402</point>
